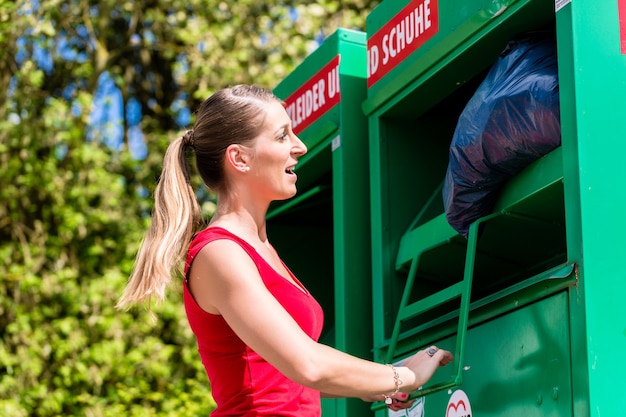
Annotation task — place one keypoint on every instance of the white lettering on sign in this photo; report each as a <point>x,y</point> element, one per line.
<point>401,36</point>
<point>403,33</point>
<point>318,95</point>
<point>459,405</point>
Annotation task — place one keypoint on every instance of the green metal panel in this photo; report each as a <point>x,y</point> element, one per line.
<point>404,174</point>
<point>517,361</point>
<point>323,233</point>
<point>517,364</point>
<point>592,73</point>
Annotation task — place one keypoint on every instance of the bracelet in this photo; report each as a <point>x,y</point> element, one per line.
<point>397,381</point>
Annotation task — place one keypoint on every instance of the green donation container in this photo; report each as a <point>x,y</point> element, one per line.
<point>323,232</point>
<point>531,301</point>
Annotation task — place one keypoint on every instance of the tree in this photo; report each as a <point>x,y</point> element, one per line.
<point>74,203</point>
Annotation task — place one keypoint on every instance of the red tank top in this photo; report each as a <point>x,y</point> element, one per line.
<point>242,382</point>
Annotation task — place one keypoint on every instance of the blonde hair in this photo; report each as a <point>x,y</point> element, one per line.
<point>176,217</point>
<point>232,115</point>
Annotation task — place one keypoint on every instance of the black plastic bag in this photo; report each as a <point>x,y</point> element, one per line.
<point>512,119</point>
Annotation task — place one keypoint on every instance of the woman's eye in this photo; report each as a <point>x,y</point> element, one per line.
<point>282,136</point>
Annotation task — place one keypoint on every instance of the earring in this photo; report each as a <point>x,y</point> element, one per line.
<point>245,169</point>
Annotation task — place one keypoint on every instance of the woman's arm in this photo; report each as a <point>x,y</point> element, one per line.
<point>235,290</point>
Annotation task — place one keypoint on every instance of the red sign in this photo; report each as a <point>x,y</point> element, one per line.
<point>621,6</point>
<point>318,95</point>
<point>401,36</point>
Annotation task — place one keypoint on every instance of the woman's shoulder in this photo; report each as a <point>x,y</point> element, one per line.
<point>221,239</point>
<point>213,233</point>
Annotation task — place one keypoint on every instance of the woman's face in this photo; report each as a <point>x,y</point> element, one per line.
<point>275,153</point>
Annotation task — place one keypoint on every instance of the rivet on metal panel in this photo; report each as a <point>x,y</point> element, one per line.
<point>555,393</point>
<point>539,399</point>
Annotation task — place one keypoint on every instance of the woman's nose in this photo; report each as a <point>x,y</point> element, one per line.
<point>299,148</point>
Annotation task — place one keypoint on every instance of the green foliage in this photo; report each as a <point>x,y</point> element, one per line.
<point>72,211</point>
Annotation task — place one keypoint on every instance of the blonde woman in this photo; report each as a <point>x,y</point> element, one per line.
<point>256,325</point>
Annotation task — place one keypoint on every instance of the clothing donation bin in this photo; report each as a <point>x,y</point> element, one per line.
<point>524,301</point>
<point>322,233</point>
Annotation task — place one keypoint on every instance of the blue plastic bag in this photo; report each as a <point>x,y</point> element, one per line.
<point>512,119</point>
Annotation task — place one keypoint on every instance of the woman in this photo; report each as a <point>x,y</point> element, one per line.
<point>256,325</point>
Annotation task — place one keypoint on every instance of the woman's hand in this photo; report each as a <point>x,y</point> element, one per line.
<point>424,363</point>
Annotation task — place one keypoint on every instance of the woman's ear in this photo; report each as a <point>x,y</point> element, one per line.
<point>237,157</point>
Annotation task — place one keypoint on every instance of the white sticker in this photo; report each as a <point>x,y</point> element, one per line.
<point>335,143</point>
<point>459,405</point>
<point>559,4</point>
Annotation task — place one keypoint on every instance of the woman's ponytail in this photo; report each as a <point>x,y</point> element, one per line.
<point>175,219</point>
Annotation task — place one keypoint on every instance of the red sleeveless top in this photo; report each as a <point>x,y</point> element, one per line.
<point>242,382</point>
